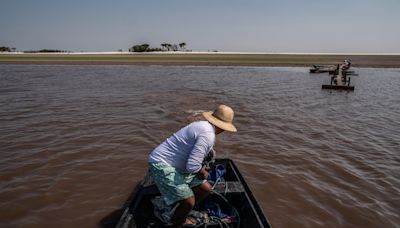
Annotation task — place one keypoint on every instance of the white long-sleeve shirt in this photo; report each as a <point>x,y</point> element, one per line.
<point>186,149</point>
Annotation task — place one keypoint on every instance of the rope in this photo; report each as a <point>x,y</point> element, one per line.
<point>234,208</point>
<point>221,223</point>
<point>216,182</point>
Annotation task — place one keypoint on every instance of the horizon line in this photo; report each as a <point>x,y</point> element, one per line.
<point>205,52</point>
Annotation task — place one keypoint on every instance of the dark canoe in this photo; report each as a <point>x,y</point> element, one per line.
<point>338,87</point>
<point>139,211</point>
<point>323,69</point>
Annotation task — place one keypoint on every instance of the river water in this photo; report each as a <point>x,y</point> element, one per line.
<point>74,140</point>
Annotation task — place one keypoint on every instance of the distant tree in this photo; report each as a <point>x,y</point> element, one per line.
<point>51,50</point>
<point>145,46</point>
<point>154,49</point>
<point>169,47</point>
<point>5,49</point>
<point>140,48</point>
<point>14,49</point>
<point>174,47</point>
<point>182,45</point>
<point>120,50</point>
<point>45,51</point>
<point>164,45</point>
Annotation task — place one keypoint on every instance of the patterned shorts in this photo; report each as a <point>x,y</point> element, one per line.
<point>173,185</point>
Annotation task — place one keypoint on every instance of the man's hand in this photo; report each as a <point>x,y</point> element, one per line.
<point>203,174</point>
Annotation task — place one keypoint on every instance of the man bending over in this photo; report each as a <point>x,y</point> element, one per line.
<point>176,164</point>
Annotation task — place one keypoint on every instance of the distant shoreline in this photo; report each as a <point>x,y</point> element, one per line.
<point>383,60</point>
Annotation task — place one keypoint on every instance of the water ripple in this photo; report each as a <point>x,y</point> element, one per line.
<point>75,140</point>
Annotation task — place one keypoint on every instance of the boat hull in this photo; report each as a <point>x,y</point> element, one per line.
<point>338,87</point>
<point>139,212</point>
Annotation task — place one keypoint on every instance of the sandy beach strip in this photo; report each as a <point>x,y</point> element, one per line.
<point>203,59</point>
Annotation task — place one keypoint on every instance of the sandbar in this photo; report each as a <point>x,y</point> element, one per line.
<point>203,59</point>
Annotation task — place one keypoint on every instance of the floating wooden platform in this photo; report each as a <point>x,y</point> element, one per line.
<point>338,87</point>
<point>340,79</point>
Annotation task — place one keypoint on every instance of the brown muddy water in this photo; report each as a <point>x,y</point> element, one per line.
<point>74,140</point>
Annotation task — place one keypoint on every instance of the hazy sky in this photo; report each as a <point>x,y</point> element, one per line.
<point>225,25</point>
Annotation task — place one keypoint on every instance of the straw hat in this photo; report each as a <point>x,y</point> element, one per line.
<point>222,117</point>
